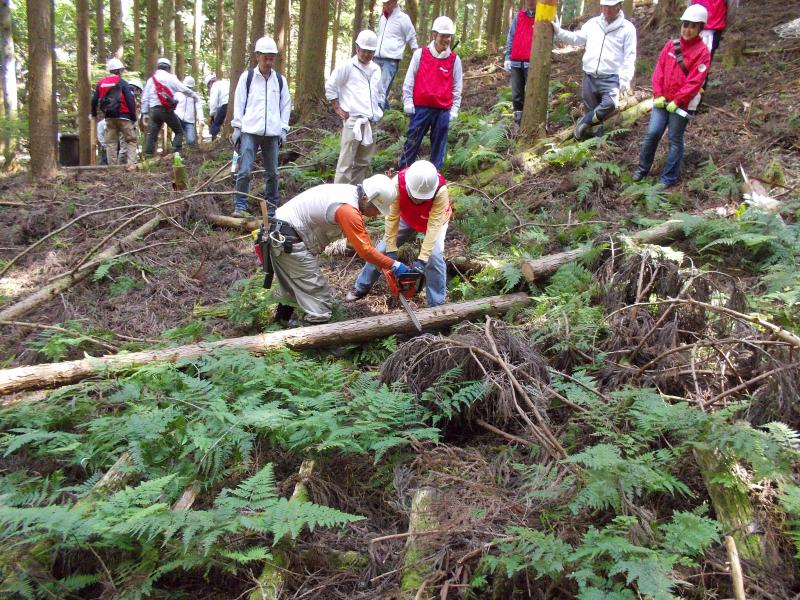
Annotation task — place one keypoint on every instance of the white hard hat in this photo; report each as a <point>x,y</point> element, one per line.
<point>136,83</point>
<point>114,64</point>
<point>445,26</point>
<point>696,13</point>
<point>188,81</point>
<point>422,179</point>
<point>210,78</point>
<point>266,45</point>
<point>367,40</point>
<point>164,61</point>
<point>381,192</point>
<point>609,2</point>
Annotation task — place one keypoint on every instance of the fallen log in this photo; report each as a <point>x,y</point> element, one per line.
<point>331,334</point>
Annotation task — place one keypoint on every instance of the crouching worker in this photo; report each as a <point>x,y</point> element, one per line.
<point>422,206</point>
<point>312,220</point>
<point>678,77</point>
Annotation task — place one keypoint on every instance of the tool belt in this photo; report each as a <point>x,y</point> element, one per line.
<point>281,235</point>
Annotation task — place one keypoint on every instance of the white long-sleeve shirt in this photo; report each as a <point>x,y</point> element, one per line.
<point>268,106</point>
<point>357,87</point>
<point>188,110</point>
<point>165,78</point>
<point>411,77</point>
<point>393,35</point>
<point>220,90</point>
<point>610,47</point>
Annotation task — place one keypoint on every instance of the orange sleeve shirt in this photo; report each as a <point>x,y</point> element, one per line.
<point>352,223</point>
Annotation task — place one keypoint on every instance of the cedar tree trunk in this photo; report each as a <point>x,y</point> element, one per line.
<point>168,29</point>
<point>256,29</point>
<point>310,76</point>
<point>180,55</point>
<point>151,47</point>
<point>8,83</point>
<point>41,108</point>
<point>137,32</point>
<point>197,30</point>
<point>84,84</point>
<point>281,30</point>
<point>238,49</point>
<point>117,30</point>
<point>534,114</point>
<point>100,23</point>
<point>220,40</point>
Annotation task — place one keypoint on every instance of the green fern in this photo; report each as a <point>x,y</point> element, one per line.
<point>652,195</point>
<point>592,176</point>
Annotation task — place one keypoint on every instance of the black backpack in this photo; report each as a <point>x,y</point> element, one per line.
<point>111,103</point>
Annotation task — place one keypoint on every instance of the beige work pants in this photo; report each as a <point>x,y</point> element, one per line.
<point>301,282</point>
<point>354,158</point>
<point>122,132</point>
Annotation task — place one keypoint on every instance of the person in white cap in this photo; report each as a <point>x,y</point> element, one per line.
<point>395,31</point>
<point>218,92</point>
<point>114,97</point>
<point>422,206</point>
<point>432,94</point>
<point>189,111</point>
<point>261,108</point>
<point>354,89</point>
<point>677,80</point>
<point>608,62</point>
<point>158,105</point>
<point>310,221</point>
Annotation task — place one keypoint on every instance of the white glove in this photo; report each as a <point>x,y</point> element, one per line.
<point>282,139</point>
<point>556,25</point>
<point>237,133</point>
<point>507,66</point>
<point>453,114</point>
<point>408,108</point>
<point>624,88</point>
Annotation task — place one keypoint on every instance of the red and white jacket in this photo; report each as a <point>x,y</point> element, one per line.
<point>439,71</point>
<point>669,79</point>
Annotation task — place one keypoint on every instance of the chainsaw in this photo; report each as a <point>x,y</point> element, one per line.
<point>404,287</point>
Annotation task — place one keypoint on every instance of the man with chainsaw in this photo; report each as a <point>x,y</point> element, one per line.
<point>422,206</point>
<point>305,225</point>
<point>114,97</point>
<point>261,107</point>
<point>677,80</point>
<point>158,105</point>
<point>355,91</point>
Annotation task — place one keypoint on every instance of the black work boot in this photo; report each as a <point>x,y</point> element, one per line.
<point>283,312</point>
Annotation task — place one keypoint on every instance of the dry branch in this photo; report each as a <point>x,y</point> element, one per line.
<point>332,334</point>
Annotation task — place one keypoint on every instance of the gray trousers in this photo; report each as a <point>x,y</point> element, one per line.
<point>600,96</point>
<point>301,283</point>
<point>354,158</point>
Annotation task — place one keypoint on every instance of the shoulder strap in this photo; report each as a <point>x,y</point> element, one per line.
<point>676,44</point>
<point>247,95</point>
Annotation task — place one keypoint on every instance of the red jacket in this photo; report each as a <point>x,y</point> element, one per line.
<point>126,99</point>
<point>523,37</point>
<point>415,215</point>
<point>433,85</point>
<point>717,13</point>
<point>668,78</point>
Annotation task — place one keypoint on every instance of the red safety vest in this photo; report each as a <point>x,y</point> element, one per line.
<point>416,215</point>
<point>523,37</point>
<point>105,84</point>
<point>433,86</point>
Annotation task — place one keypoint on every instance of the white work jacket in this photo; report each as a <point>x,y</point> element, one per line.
<point>188,110</point>
<point>175,85</point>
<point>393,35</point>
<point>358,89</point>
<point>268,107</point>
<point>610,47</point>
<point>218,96</point>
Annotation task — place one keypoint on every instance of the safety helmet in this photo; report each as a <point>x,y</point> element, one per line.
<point>696,13</point>
<point>609,2</point>
<point>114,64</point>
<point>367,40</point>
<point>188,81</point>
<point>266,45</point>
<point>445,25</point>
<point>422,179</point>
<point>210,78</point>
<point>381,192</point>
<point>136,83</point>
<point>164,62</point>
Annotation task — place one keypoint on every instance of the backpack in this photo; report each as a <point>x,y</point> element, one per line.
<point>250,80</point>
<point>111,102</point>
<point>164,95</point>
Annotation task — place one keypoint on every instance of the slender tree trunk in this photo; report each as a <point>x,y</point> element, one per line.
<point>493,21</point>
<point>310,76</point>
<point>151,48</point>
<point>41,108</point>
<point>436,10</point>
<point>591,8</point>
<point>137,32</point>
<point>289,67</point>
<point>336,29</point>
<point>298,63</point>
<point>508,14</point>
<point>180,54</point>
<point>256,29</point>
<point>534,114</point>
<point>168,28</point>
<point>465,23</point>
<point>627,8</point>
<point>8,74</point>
<point>477,29</point>
<point>358,21</point>
<point>99,18</point>
<point>412,10</point>
<point>220,40</point>
<point>197,30</point>
<point>281,28</point>
<point>238,58</point>
<point>117,30</point>
<point>373,15</point>
<point>54,80</point>
<point>84,85</point>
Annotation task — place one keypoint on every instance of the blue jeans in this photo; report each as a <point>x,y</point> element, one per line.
<point>435,268</point>
<point>661,120</point>
<point>190,131</point>
<point>388,71</point>
<point>248,146</point>
<point>423,119</point>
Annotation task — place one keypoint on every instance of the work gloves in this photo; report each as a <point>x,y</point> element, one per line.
<point>660,102</point>
<point>672,107</point>
<point>507,66</point>
<point>453,114</point>
<point>419,265</point>
<point>282,139</point>
<point>236,136</point>
<point>399,269</point>
<point>408,108</point>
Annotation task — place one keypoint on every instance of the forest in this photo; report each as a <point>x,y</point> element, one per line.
<point>590,392</point>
